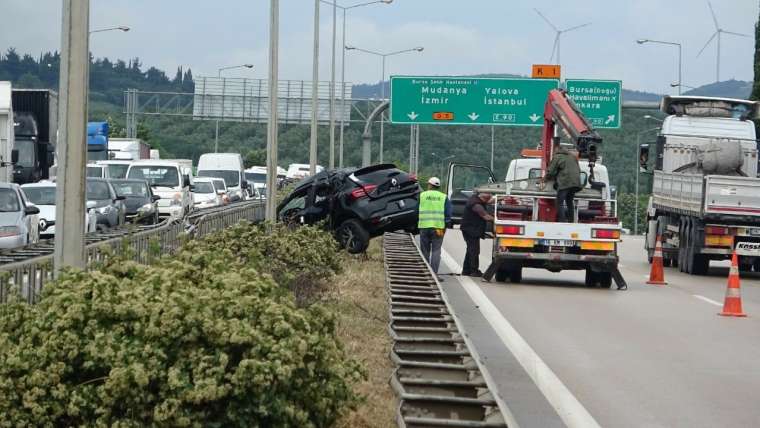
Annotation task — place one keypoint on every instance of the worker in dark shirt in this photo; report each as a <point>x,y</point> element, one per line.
<point>473,229</point>
<point>566,172</point>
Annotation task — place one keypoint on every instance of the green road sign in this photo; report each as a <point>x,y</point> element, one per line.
<point>599,100</point>
<point>445,100</point>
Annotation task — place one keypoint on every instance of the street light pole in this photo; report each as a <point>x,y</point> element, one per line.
<point>274,32</point>
<point>314,95</point>
<point>493,130</point>
<point>332,89</point>
<point>219,75</point>
<point>123,28</point>
<point>643,41</point>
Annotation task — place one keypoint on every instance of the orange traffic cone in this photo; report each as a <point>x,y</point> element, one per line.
<point>657,274</point>
<point>732,305</point>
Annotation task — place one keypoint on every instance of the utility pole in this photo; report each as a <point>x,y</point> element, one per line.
<point>332,89</point>
<point>72,142</point>
<point>314,94</point>
<point>274,31</point>
<point>493,130</point>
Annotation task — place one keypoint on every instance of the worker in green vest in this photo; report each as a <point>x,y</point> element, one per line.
<point>434,215</point>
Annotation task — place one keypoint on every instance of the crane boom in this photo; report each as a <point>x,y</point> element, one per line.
<point>561,110</point>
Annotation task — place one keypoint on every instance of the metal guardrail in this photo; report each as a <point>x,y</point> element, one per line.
<point>29,275</point>
<point>438,378</point>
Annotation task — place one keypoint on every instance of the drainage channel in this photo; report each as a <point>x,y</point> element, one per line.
<point>437,378</point>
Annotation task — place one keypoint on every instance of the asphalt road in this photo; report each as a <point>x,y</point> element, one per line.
<point>647,357</point>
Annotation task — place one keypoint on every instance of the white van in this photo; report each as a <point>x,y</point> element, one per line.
<point>170,180</point>
<point>97,171</point>
<point>116,168</point>
<point>228,166</point>
<point>297,171</point>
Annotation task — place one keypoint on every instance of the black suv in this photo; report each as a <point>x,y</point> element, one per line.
<point>357,204</point>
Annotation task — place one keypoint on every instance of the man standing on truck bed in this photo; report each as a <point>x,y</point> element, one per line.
<point>473,229</point>
<point>564,169</point>
<point>434,215</point>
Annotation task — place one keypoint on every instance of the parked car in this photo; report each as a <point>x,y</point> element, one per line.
<point>141,204</point>
<point>19,219</point>
<point>42,195</point>
<point>170,179</point>
<point>228,166</point>
<point>116,168</point>
<point>256,176</point>
<point>108,206</point>
<point>297,171</point>
<point>357,204</point>
<point>97,171</point>
<point>205,193</point>
<point>221,189</point>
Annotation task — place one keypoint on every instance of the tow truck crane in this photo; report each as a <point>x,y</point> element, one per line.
<point>526,231</point>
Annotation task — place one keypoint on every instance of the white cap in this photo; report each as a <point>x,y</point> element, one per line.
<point>434,181</point>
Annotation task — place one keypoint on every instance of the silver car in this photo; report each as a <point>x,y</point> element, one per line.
<point>19,220</point>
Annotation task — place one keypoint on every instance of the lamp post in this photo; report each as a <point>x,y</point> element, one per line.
<point>123,28</point>
<point>382,82</point>
<point>343,69</point>
<point>642,41</point>
<point>676,84</point>
<point>219,75</point>
<point>638,168</point>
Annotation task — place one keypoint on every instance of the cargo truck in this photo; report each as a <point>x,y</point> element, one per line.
<point>705,200</point>
<point>35,113</point>
<point>8,156</point>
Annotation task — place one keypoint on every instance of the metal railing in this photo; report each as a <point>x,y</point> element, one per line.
<point>28,277</point>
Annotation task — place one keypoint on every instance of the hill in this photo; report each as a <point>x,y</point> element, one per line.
<point>727,89</point>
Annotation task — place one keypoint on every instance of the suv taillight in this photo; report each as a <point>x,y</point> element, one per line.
<point>362,192</point>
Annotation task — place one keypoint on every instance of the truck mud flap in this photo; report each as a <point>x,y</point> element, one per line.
<point>619,280</point>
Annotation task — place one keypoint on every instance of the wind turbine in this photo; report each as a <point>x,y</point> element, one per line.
<point>717,33</point>
<point>558,35</point>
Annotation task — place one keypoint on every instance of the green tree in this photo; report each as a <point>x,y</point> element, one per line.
<point>29,81</point>
<point>255,157</point>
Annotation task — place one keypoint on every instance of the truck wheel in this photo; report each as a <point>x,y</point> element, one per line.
<point>605,279</point>
<point>352,236</point>
<point>515,275</point>
<point>591,278</point>
<point>697,264</point>
<point>744,264</point>
<point>501,275</point>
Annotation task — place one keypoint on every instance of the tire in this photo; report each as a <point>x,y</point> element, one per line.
<point>591,278</point>
<point>501,275</point>
<point>515,275</point>
<point>605,279</point>
<point>352,236</point>
<point>696,264</point>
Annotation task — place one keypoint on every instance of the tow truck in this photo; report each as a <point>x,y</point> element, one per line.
<point>526,233</point>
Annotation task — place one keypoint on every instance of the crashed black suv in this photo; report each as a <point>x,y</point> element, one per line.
<point>356,204</point>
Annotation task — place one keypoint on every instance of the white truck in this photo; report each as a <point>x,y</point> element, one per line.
<point>128,149</point>
<point>705,200</point>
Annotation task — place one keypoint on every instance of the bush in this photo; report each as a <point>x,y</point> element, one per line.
<point>201,339</point>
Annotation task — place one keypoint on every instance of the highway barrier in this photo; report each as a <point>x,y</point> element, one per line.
<point>27,270</point>
<point>438,379</point>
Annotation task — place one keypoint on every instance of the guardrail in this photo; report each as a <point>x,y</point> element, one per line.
<point>29,276</point>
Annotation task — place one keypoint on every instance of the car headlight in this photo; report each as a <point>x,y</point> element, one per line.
<point>105,210</point>
<point>177,200</point>
<point>145,208</point>
<point>6,231</point>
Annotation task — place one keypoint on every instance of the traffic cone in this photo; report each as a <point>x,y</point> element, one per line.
<point>732,305</point>
<point>657,274</point>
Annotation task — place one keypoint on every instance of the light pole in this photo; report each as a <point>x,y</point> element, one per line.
<point>219,75</point>
<point>343,68</point>
<point>314,100</point>
<point>382,82</point>
<point>642,41</point>
<point>274,41</point>
<point>123,28</point>
<point>675,84</point>
<point>638,168</point>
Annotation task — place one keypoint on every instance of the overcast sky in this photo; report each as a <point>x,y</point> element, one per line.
<point>459,37</point>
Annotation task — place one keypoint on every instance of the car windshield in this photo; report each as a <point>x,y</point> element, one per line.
<point>256,177</point>
<point>25,153</point>
<point>165,176</point>
<point>220,185</point>
<point>40,195</point>
<point>135,190</point>
<point>118,170</point>
<point>94,172</point>
<point>97,191</point>
<point>9,201</point>
<point>231,178</point>
<point>203,187</point>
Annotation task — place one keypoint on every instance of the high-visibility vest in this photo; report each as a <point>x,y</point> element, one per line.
<point>432,213</point>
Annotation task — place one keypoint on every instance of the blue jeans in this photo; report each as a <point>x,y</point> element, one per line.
<point>430,244</point>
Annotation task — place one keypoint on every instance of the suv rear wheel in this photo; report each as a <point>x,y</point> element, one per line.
<point>352,236</point>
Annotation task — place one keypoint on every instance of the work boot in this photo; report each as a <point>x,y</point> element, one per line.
<point>476,274</point>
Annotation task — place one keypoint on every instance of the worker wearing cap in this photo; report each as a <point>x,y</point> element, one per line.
<point>564,169</point>
<point>434,215</point>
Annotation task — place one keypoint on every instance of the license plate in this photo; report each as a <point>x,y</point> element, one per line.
<point>557,242</point>
<point>748,248</point>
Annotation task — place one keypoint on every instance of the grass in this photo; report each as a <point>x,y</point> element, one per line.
<point>361,302</point>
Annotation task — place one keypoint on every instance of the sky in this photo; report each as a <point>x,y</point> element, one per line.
<point>459,37</point>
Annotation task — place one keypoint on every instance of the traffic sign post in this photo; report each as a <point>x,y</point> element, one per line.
<point>599,100</point>
<point>444,100</point>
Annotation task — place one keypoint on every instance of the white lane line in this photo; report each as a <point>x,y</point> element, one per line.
<point>708,300</point>
<point>569,409</point>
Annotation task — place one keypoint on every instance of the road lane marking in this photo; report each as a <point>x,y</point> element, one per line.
<point>570,410</point>
<point>708,300</point>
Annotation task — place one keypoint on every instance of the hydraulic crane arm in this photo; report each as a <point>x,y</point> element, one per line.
<point>561,110</point>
